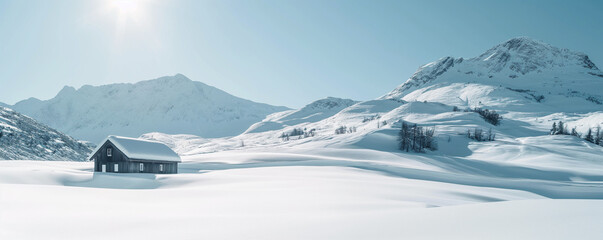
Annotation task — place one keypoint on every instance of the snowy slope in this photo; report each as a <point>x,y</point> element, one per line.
<point>175,105</point>
<point>23,138</point>
<point>313,112</point>
<point>428,97</point>
<point>292,194</point>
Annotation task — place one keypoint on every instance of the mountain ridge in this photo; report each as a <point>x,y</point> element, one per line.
<point>520,64</point>
<point>171,104</point>
<point>312,112</point>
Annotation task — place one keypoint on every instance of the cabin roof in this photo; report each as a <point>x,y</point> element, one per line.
<point>135,148</point>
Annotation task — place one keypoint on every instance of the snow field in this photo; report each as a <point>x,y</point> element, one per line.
<point>289,193</point>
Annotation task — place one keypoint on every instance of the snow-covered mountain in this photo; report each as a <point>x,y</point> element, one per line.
<point>173,104</point>
<point>313,112</point>
<point>519,74</point>
<point>531,83</point>
<point>23,138</point>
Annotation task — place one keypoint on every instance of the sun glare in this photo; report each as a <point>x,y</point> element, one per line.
<point>126,8</point>
<point>130,17</point>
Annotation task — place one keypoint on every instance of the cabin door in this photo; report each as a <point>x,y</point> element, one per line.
<point>104,168</point>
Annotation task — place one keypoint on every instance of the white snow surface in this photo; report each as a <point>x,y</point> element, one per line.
<point>136,148</point>
<point>300,193</point>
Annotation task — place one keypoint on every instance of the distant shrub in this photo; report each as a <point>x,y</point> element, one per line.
<point>296,132</point>
<point>589,136</point>
<point>598,136</point>
<point>299,132</point>
<point>371,118</point>
<point>491,117</point>
<point>594,100</point>
<point>341,130</point>
<point>559,129</point>
<point>310,133</point>
<point>416,138</point>
<point>479,135</point>
<point>575,133</point>
<point>344,129</point>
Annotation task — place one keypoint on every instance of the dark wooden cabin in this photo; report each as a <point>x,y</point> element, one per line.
<point>130,155</point>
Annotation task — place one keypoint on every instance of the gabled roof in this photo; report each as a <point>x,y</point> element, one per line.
<point>135,148</point>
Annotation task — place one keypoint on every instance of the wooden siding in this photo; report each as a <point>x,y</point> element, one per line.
<point>152,166</point>
<point>127,165</point>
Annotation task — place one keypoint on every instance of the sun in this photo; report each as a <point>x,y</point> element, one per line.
<point>129,17</point>
<point>127,8</point>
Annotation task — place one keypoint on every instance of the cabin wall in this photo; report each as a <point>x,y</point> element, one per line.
<point>126,165</point>
<point>152,166</point>
<point>117,157</point>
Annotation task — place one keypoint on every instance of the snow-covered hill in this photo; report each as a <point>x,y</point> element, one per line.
<point>313,112</point>
<point>174,104</point>
<point>529,87</point>
<point>23,138</point>
<point>520,74</point>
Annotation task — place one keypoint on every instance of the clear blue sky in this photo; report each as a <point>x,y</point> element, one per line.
<point>279,52</point>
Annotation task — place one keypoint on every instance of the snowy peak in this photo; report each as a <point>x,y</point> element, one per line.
<point>430,71</point>
<point>175,81</point>
<point>67,90</point>
<point>171,104</point>
<point>330,103</point>
<point>524,55</point>
<point>518,63</point>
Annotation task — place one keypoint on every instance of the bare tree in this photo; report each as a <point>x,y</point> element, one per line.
<point>416,138</point>
<point>589,136</point>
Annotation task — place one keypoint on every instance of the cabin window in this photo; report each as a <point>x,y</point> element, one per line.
<point>103,168</point>
<point>141,167</point>
<point>116,167</point>
<point>109,152</point>
<point>161,167</point>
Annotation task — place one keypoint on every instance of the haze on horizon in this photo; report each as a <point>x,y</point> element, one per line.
<point>278,52</point>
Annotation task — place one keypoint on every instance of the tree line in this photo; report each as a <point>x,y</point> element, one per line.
<point>596,136</point>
